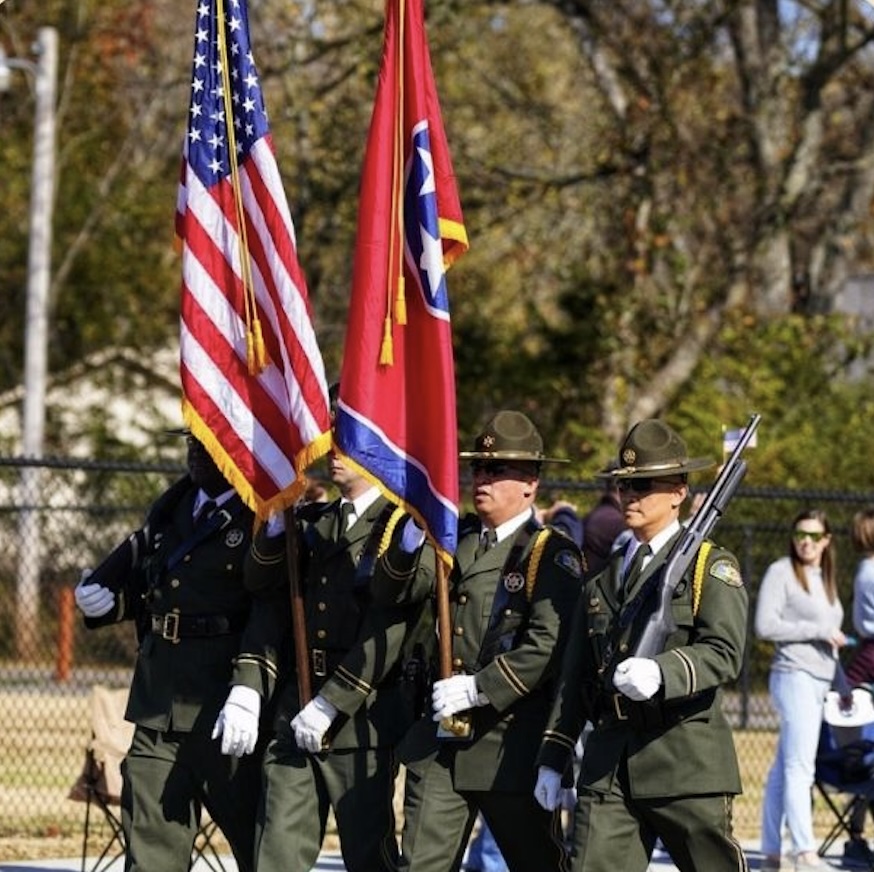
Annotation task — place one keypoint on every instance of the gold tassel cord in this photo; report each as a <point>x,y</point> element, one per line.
<point>256,356</point>
<point>394,278</point>
<point>398,174</point>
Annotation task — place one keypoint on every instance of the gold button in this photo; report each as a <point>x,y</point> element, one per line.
<point>175,582</point>
<point>323,580</point>
<point>321,634</point>
<point>229,566</point>
<point>457,663</point>
<point>508,612</point>
<point>462,599</point>
<point>591,632</point>
<point>322,607</point>
<point>623,647</point>
<point>459,631</point>
<point>186,558</point>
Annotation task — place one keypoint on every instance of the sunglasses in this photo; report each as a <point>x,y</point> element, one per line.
<point>801,535</point>
<point>492,468</point>
<point>642,485</point>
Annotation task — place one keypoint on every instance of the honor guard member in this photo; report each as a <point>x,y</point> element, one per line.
<point>200,676</point>
<point>338,750</point>
<point>660,761</point>
<point>512,592</point>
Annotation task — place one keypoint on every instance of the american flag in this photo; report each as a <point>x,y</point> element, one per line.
<point>260,407</point>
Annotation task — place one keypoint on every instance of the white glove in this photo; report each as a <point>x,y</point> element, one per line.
<point>237,722</point>
<point>638,678</point>
<point>93,600</point>
<point>548,790</point>
<point>311,723</point>
<point>455,694</point>
<point>412,536</point>
<point>276,524</point>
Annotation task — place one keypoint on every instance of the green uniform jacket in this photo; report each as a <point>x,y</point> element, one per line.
<point>355,645</point>
<point>679,743</point>
<point>510,612</point>
<point>171,566</point>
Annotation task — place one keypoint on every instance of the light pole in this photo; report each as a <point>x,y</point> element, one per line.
<point>45,73</point>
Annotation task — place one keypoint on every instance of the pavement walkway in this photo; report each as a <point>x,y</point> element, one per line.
<point>332,862</point>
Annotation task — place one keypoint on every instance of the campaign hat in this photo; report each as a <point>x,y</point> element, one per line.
<point>510,435</point>
<point>652,449</point>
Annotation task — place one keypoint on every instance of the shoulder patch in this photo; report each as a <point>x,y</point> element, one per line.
<point>570,562</point>
<point>727,572</point>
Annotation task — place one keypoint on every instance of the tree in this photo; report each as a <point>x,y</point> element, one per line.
<point>638,177</point>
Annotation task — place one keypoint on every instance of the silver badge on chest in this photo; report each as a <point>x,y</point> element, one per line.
<point>514,582</point>
<point>234,538</point>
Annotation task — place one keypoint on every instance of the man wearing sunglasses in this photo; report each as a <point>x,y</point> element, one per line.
<point>660,762</point>
<point>513,587</point>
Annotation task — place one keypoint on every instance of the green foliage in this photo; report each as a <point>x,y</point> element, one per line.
<point>793,371</point>
<point>625,222</point>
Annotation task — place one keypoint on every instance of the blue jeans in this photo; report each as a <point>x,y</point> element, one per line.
<point>798,698</point>
<point>485,854</point>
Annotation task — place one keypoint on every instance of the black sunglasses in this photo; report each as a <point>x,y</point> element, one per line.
<point>492,468</point>
<point>643,485</point>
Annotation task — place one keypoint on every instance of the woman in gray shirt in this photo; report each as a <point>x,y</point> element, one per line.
<point>798,609</point>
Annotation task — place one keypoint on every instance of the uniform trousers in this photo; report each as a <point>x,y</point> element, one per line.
<point>167,777</point>
<point>612,832</point>
<point>438,820</point>
<point>300,788</point>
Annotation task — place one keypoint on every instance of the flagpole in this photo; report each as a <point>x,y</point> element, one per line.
<point>444,630</point>
<point>298,619</point>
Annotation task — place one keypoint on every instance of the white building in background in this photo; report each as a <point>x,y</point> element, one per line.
<point>113,400</point>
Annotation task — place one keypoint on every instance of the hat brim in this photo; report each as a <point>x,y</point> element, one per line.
<point>657,470</point>
<point>522,456</point>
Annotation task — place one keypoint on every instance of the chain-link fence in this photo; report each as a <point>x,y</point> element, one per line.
<point>57,517</point>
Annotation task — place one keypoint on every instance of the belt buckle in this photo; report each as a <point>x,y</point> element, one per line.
<point>320,662</point>
<point>170,627</point>
<point>617,707</point>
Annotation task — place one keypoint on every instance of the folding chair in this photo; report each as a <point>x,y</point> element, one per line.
<point>99,784</point>
<point>99,787</point>
<point>842,778</point>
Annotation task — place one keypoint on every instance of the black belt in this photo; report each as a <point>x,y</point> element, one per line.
<point>618,708</point>
<point>647,715</point>
<point>325,660</point>
<point>173,626</point>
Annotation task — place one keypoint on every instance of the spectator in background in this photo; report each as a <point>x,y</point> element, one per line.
<point>484,855</point>
<point>564,517</point>
<point>798,609</point>
<point>860,669</point>
<point>602,525</point>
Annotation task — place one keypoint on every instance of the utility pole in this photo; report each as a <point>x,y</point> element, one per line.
<point>45,73</point>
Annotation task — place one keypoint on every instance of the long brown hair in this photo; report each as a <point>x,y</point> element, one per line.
<point>829,579</point>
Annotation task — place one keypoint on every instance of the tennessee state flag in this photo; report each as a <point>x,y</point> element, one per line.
<point>396,419</point>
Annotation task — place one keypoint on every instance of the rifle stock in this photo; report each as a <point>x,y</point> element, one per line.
<point>660,623</point>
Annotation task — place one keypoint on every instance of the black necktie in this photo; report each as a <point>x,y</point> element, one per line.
<point>487,539</point>
<point>636,565</point>
<point>205,511</point>
<point>346,509</point>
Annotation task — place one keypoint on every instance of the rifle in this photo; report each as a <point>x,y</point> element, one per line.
<point>660,623</point>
